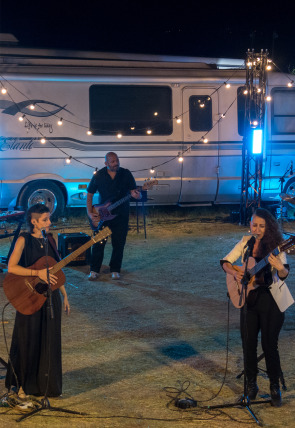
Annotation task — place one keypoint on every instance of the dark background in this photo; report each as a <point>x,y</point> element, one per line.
<point>190,28</point>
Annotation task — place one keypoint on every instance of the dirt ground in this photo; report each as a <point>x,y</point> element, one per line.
<point>164,330</point>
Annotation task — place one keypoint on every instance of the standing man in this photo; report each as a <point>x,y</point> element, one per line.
<point>113,183</point>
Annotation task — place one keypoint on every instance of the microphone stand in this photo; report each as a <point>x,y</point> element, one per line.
<point>45,404</point>
<point>244,401</point>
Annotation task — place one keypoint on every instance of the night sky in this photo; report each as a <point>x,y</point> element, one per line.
<point>194,28</point>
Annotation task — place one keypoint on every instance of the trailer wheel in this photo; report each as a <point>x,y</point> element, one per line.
<point>43,192</point>
<point>289,189</point>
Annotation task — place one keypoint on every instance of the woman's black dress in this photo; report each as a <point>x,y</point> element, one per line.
<point>36,341</point>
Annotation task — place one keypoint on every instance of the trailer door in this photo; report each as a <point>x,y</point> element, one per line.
<point>199,178</point>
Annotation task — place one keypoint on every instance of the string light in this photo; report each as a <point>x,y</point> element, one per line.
<point>60,121</point>
<point>268,67</point>
<point>222,116</point>
<point>268,98</point>
<point>95,171</point>
<point>43,141</point>
<point>119,135</point>
<point>152,170</point>
<point>148,131</point>
<point>132,128</point>
<point>4,91</point>
<point>245,92</point>
<point>21,118</point>
<point>259,90</point>
<point>290,84</point>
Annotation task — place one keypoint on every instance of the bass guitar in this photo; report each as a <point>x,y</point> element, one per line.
<point>26,293</point>
<point>104,211</point>
<point>234,287</point>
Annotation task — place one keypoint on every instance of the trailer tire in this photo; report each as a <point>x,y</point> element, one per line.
<point>289,189</point>
<point>45,192</point>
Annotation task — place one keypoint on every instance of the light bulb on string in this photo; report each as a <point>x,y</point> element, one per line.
<point>205,140</point>
<point>119,135</point>
<point>178,120</point>
<point>290,84</point>
<point>152,170</point>
<point>60,121</point>
<point>268,98</point>
<point>43,140</point>
<point>4,91</point>
<point>180,158</point>
<point>68,160</point>
<point>132,128</point>
<point>268,67</point>
<point>89,132</point>
<point>156,113</point>
<point>227,85</point>
<point>149,131</point>
<point>245,92</point>
<point>32,107</point>
<point>222,116</point>
<point>21,118</point>
<point>95,171</point>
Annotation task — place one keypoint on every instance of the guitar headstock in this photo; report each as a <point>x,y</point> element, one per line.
<point>102,234</point>
<point>149,184</point>
<point>288,244</point>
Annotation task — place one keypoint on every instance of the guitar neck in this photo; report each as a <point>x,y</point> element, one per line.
<point>262,263</point>
<point>119,202</point>
<point>72,256</point>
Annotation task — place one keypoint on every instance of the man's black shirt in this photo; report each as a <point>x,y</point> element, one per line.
<point>111,190</point>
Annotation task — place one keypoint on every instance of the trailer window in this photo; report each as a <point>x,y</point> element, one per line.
<point>200,113</point>
<point>283,111</point>
<point>130,109</point>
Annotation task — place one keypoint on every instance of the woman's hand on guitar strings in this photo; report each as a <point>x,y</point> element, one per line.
<point>42,274</point>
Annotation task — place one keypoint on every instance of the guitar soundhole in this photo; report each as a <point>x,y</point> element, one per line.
<point>41,287</point>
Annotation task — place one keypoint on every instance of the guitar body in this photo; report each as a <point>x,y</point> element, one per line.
<point>234,288</point>
<point>103,213</point>
<point>25,293</point>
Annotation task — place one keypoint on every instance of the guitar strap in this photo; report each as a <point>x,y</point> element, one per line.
<point>53,245</point>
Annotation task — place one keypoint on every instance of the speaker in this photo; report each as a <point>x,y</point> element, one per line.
<point>69,242</point>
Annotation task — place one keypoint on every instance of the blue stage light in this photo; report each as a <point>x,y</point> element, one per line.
<point>257,141</point>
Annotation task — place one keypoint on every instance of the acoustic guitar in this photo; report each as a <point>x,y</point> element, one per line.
<point>234,287</point>
<point>104,211</point>
<point>26,293</point>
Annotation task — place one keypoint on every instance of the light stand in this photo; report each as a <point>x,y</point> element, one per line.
<point>244,401</point>
<point>44,402</point>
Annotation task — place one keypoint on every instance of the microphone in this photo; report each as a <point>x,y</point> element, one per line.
<point>251,242</point>
<point>44,234</point>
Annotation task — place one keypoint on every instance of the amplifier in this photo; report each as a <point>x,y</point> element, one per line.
<point>69,242</point>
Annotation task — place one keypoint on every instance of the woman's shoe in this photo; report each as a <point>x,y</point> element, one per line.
<point>252,389</point>
<point>275,394</point>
